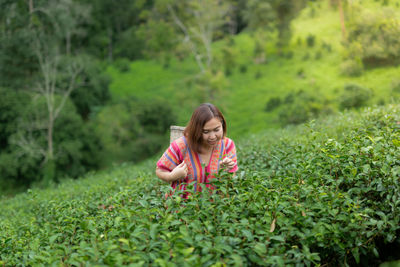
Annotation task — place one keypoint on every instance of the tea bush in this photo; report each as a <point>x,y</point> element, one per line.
<point>322,193</point>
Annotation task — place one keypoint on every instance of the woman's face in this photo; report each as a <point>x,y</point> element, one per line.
<point>212,132</point>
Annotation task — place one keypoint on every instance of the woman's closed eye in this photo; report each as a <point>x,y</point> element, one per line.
<point>207,131</point>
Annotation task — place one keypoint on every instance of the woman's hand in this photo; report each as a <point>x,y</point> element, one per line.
<point>180,172</point>
<point>228,163</point>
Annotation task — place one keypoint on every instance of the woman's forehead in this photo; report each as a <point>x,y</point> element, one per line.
<point>212,124</point>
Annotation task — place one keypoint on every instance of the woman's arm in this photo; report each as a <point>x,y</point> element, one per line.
<point>180,172</point>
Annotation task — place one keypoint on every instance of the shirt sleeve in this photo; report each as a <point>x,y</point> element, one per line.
<point>171,158</point>
<point>230,152</point>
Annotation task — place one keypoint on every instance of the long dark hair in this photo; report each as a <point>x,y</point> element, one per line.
<point>194,129</point>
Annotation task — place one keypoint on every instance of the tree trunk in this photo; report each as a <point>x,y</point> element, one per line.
<point>68,43</point>
<point>30,3</point>
<point>342,19</point>
<point>50,148</point>
<point>110,45</point>
<point>30,6</point>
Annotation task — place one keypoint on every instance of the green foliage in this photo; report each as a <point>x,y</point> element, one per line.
<point>318,55</point>
<point>258,75</point>
<point>130,45</point>
<point>23,156</point>
<point>11,105</point>
<point>396,86</point>
<point>377,36</point>
<point>132,130</point>
<point>352,67</point>
<point>354,96</point>
<point>321,194</point>
<point>243,68</point>
<point>122,64</point>
<point>228,60</point>
<point>310,40</point>
<point>301,106</point>
<point>272,103</point>
<point>159,38</point>
<point>94,90</point>
<point>16,62</point>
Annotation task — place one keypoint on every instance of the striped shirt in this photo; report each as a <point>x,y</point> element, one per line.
<point>179,151</point>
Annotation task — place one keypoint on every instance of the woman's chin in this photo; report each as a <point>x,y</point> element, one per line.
<point>214,143</point>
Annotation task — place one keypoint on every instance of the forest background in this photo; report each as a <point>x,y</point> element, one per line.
<point>85,85</point>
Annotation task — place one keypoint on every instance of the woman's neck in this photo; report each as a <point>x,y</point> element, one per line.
<point>206,149</point>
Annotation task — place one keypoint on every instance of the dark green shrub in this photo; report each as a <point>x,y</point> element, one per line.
<point>395,90</point>
<point>351,67</point>
<point>396,86</point>
<point>272,104</point>
<point>289,55</point>
<point>318,55</point>
<point>133,125</point>
<point>376,37</point>
<point>12,105</point>
<point>243,68</point>
<point>94,92</point>
<point>327,47</point>
<point>228,72</point>
<point>354,96</point>
<point>312,12</point>
<point>289,98</point>
<point>301,106</point>
<point>300,73</point>
<point>306,56</point>
<point>122,64</point>
<point>228,60</point>
<point>310,40</point>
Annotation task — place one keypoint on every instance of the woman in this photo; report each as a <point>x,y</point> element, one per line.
<point>200,153</point>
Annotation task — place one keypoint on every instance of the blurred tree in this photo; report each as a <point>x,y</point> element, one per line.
<point>342,22</point>
<point>200,22</point>
<point>112,29</point>
<point>17,63</point>
<point>133,130</point>
<point>236,23</point>
<point>159,38</point>
<point>273,14</point>
<point>188,27</point>
<point>58,76</point>
<point>27,154</point>
<point>373,37</point>
<point>93,91</point>
<point>70,16</point>
<point>259,14</point>
<point>11,105</point>
<point>341,5</point>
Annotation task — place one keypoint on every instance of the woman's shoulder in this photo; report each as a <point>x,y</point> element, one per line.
<point>227,139</point>
<point>180,143</point>
<point>228,142</point>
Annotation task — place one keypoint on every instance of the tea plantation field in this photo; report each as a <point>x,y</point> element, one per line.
<point>326,193</point>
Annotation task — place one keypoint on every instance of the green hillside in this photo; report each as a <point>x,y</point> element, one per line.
<point>322,193</point>
<point>314,69</point>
